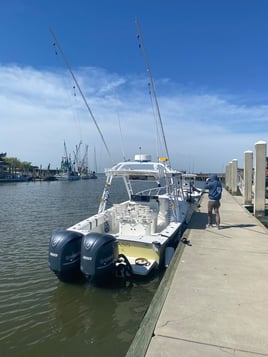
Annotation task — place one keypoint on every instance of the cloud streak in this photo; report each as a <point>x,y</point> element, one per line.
<point>41,108</point>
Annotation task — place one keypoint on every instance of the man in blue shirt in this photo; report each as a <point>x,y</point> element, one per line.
<point>214,195</point>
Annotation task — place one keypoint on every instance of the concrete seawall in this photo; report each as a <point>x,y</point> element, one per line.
<point>213,300</point>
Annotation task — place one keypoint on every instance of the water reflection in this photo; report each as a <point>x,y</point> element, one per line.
<point>102,318</point>
<point>39,315</point>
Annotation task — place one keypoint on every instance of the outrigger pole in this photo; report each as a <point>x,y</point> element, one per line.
<point>80,90</point>
<point>152,85</point>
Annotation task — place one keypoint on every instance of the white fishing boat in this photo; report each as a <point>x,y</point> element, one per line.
<point>67,176</point>
<point>132,237</point>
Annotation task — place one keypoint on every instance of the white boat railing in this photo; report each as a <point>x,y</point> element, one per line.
<point>153,191</point>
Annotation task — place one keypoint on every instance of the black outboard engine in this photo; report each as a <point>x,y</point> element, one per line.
<point>64,254</point>
<point>99,251</point>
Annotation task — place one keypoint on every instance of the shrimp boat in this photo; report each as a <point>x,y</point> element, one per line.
<point>132,237</point>
<point>68,170</point>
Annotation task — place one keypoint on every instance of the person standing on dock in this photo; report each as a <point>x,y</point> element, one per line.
<point>214,195</point>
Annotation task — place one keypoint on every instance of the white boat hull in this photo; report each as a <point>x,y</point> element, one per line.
<point>132,236</point>
<point>67,177</point>
<point>141,232</point>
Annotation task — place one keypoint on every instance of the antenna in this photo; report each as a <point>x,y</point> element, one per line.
<point>80,90</point>
<point>152,85</point>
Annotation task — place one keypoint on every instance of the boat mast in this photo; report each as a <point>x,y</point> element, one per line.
<point>152,86</point>
<point>80,90</point>
<point>66,155</point>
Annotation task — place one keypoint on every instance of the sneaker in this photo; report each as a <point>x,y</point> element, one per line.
<point>208,226</point>
<point>218,227</point>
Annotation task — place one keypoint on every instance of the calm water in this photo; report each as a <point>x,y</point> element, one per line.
<point>39,315</point>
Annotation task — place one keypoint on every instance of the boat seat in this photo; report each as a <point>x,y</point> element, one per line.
<point>137,219</point>
<point>130,229</point>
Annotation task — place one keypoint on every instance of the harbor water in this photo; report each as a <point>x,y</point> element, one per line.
<point>41,316</point>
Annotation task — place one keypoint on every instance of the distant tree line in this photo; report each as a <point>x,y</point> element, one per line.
<point>13,162</point>
<point>23,165</point>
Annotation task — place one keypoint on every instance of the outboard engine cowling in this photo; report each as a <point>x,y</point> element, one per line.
<point>99,252</point>
<point>64,254</point>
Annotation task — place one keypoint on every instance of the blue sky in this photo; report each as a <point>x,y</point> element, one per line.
<point>209,62</point>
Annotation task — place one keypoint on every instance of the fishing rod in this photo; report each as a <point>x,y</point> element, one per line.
<point>121,137</point>
<point>141,43</point>
<point>56,43</point>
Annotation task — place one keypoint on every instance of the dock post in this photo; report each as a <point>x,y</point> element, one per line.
<point>227,177</point>
<point>259,178</point>
<point>248,167</point>
<point>234,176</point>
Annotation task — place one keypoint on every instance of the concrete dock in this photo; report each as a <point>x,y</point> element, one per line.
<point>216,300</point>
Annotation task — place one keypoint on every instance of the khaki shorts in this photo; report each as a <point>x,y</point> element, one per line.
<point>213,205</point>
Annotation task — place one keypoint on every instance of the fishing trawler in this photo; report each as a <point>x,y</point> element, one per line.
<point>68,170</point>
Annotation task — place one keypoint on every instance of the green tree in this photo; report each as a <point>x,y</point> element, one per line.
<point>16,163</point>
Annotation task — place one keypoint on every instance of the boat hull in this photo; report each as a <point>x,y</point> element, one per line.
<point>148,252</point>
<point>146,228</point>
<point>63,177</point>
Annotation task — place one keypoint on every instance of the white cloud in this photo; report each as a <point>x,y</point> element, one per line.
<point>39,111</point>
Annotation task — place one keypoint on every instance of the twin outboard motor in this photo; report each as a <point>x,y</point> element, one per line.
<point>72,255</point>
<point>64,254</point>
<point>99,251</point>
<point>95,255</point>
